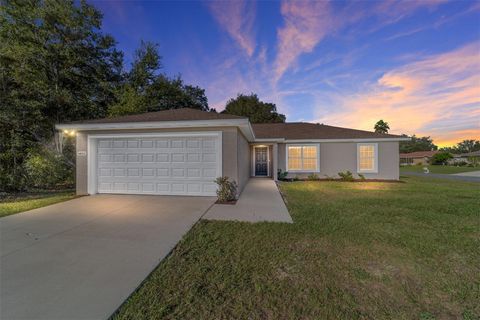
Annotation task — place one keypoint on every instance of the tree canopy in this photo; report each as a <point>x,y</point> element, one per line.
<point>57,65</point>
<point>417,144</point>
<point>381,127</point>
<point>464,146</point>
<point>145,89</point>
<point>250,106</point>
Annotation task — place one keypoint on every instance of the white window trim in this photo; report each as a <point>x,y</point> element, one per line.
<point>254,160</point>
<point>375,152</point>
<point>92,150</point>
<point>317,145</point>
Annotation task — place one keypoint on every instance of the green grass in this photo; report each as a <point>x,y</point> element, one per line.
<point>367,250</point>
<point>438,169</point>
<point>14,205</point>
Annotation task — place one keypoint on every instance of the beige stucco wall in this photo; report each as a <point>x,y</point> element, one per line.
<point>243,159</point>
<point>341,156</point>
<point>230,155</point>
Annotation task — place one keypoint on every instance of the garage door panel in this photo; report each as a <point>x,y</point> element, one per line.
<point>158,165</point>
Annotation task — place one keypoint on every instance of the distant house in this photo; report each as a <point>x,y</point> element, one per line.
<point>417,157</point>
<point>469,157</point>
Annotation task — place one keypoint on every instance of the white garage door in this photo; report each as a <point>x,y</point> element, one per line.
<point>183,165</point>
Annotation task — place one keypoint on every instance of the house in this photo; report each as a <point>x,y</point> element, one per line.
<point>417,157</point>
<point>469,158</point>
<point>181,152</point>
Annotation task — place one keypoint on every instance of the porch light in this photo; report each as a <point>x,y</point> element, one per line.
<point>70,133</point>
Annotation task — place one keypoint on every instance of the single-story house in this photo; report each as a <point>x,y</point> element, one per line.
<point>417,157</point>
<point>182,151</point>
<point>469,157</point>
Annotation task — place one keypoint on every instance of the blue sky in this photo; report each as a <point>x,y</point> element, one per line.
<point>414,64</point>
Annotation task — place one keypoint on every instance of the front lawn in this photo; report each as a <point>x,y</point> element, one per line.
<point>438,169</point>
<point>367,250</point>
<point>24,202</point>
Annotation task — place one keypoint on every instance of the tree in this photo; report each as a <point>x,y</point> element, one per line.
<point>146,89</point>
<point>251,107</point>
<point>441,158</point>
<point>55,65</point>
<point>381,127</point>
<point>465,146</point>
<point>417,144</point>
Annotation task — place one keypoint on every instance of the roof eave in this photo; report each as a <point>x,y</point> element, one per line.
<point>391,139</point>
<point>242,124</point>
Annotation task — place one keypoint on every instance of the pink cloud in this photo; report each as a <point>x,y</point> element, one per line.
<point>420,97</point>
<point>306,24</point>
<point>237,18</point>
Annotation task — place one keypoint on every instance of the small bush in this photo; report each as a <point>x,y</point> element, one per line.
<point>346,176</point>
<point>313,177</point>
<point>48,170</point>
<point>362,177</point>
<point>227,190</point>
<point>282,175</point>
<point>441,158</point>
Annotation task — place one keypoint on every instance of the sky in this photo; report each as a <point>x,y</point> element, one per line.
<point>414,64</point>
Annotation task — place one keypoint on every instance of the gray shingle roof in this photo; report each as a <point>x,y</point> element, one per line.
<point>305,130</point>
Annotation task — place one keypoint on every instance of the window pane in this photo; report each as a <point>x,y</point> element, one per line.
<point>294,164</point>
<point>309,164</point>
<point>366,157</point>
<point>294,152</point>
<point>302,158</point>
<point>310,152</point>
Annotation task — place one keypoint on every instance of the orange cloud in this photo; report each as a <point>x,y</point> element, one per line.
<point>437,96</point>
<point>237,18</point>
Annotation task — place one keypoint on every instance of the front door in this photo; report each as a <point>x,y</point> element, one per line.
<point>261,161</point>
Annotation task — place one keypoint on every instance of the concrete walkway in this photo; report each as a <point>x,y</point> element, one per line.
<point>82,258</point>
<point>456,177</point>
<point>259,201</point>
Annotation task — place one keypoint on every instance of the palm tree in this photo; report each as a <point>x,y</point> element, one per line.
<point>381,127</point>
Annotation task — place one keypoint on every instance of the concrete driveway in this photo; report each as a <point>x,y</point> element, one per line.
<point>81,259</point>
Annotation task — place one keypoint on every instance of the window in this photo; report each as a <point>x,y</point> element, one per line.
<point>367,158</point>
<point>303,158</point>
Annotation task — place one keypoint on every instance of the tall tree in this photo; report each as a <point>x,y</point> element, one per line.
<point>55,65</point>
<point>417,144</point>
<point>146,89</point>
<point>381,127</point>
<point>257,111</point>
<point>464,146</point>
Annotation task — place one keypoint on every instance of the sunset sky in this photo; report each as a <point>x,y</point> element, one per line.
<point>414,64</point>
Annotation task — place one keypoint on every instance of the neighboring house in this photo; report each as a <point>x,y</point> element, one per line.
<point>181,152</point>
<point>469,157</point>
<point>417,157</point>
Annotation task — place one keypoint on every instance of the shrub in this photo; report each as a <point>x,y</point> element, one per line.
<point>282,175</point>
<point>312,177</point>
<point>346,176</point>
<point>227,190</point>
<point>362,177</point>
<point>48,170</point>
<point>441,158</point>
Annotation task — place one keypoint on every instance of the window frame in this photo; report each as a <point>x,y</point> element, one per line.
<point>316,145</point>
<point>375,158</point>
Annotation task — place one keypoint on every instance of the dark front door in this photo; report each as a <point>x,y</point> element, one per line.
<point>261,161</point>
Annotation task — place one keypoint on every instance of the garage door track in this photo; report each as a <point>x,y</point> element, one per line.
<point>81,259</point>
